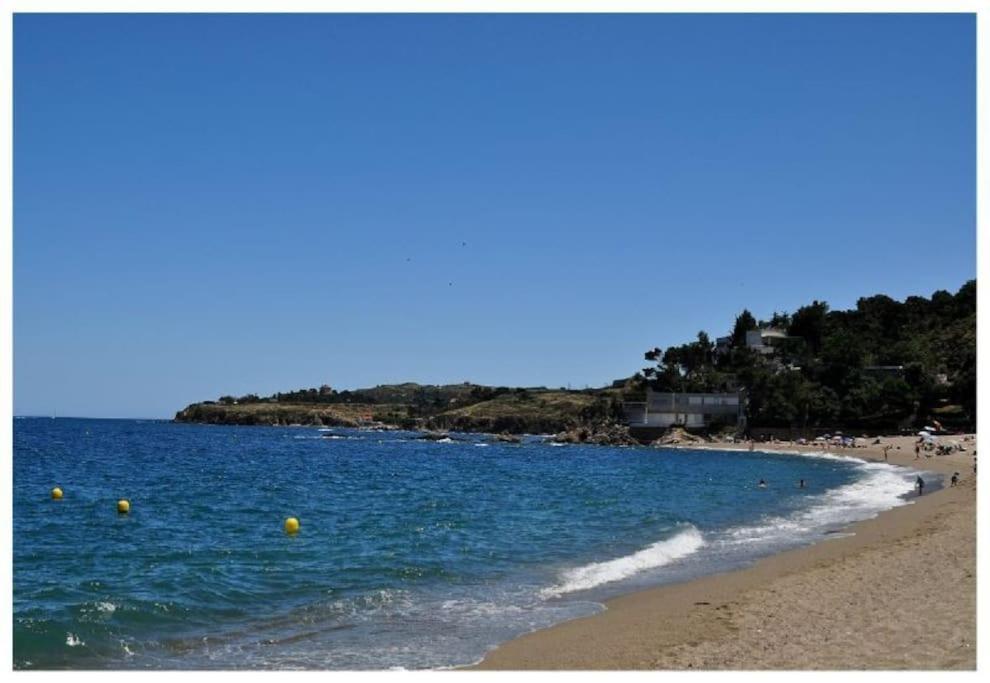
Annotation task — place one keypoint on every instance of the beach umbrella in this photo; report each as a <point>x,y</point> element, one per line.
<point>923,434</point>
<point>930,429</point>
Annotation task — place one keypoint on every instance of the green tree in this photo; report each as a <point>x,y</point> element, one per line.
<point>744,323</point>
<point>809,322</point>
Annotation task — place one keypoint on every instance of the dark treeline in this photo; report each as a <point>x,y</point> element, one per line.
<point>885,364</point>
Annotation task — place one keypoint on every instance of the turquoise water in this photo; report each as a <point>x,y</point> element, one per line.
<point>412,554</point>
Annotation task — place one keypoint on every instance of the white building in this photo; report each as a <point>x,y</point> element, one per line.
<point>763,340</point>
<point>665,409</point>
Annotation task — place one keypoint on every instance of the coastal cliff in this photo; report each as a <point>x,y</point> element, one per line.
<point>468,408</point>
<point>274,414</point>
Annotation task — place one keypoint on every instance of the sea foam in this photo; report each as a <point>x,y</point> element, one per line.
<point>880,488</point>
<point>689,540</point>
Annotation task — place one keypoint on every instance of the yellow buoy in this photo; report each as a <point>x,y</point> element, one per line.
<point>123,506</point>
<point>291,525</point>
<point>56,493</point>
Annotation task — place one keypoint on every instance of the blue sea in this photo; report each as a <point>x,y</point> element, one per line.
<point>411,554</point>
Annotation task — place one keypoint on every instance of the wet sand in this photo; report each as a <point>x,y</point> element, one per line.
<point>900,593</point>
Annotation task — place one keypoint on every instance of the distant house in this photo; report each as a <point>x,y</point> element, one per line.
<point>666,409</point>
<point>764,340</point>
<point>884,370</point>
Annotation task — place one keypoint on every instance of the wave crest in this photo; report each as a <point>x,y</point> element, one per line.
<point>658,554</point>
<point>881,487</point>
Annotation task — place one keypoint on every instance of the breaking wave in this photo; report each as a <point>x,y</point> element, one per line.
<point>881,487</point>
<point>682,544</point>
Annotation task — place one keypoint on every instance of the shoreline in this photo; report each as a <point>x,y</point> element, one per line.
<point>898,592</point>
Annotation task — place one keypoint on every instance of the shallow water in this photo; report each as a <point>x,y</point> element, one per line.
<point>411,554</point>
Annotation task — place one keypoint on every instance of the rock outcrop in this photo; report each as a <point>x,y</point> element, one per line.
<point>678,435</point>
<point>505,437</point>
<point>601,435</point>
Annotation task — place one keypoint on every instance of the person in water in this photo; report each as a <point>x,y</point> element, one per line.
<point>801,484</point>
<point>762,484</point>
<point>920,483</point>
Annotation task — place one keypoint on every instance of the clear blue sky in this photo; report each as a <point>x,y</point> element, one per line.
<point>211,205</point>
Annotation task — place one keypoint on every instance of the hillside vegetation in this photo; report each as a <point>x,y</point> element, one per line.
<point>461,407</point>
<point>883,365</point>
<point>531,412</point>
<point>350,415</point>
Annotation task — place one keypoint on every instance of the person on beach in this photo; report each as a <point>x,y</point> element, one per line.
<point>920,483</point>
<point>917,450</point>
<point>885,450</point>
<point>955,479</point>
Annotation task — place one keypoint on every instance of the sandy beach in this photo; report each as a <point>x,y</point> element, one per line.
<point>899,593</point>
